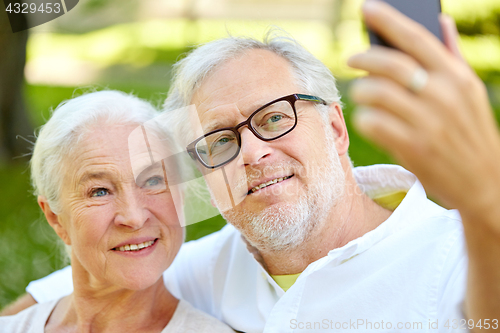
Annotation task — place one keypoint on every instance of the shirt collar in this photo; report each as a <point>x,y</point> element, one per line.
<point>374,181</point>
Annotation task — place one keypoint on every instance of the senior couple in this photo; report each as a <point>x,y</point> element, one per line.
<point>312,244</point>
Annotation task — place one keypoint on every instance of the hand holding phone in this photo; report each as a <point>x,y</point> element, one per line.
<point>444,132</point>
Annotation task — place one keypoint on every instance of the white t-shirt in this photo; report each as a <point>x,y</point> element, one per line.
<point>407,275</point>
<point>186,319</point>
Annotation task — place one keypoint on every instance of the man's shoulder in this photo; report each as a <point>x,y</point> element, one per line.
<point>32,319</point>
<point>422,218</point>
<point>197,266</point>
<point>213,242</point>
<point>203,254</point>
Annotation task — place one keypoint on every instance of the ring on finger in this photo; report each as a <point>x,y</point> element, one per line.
<point>418,80</point>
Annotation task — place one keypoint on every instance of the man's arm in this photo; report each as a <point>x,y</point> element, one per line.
<point>443,130</point>
<point>51,287</point>
<point>23,302</point>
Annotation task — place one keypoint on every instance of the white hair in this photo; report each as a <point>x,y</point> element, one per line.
<point>312,76</point>
<point>58,137</point>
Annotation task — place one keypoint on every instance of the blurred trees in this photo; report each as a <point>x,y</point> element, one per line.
<point>479,26</point>
<point>489,25</point>
<point>475,18</point>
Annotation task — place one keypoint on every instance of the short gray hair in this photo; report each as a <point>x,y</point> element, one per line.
<point>311,74</point>
<point>68,122</point>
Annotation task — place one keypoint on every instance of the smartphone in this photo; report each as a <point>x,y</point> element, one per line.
<point>425,12</point>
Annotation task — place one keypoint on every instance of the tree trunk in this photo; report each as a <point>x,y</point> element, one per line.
<point>14,119</point>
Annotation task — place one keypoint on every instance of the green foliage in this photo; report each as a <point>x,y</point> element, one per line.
<point>361,151</point>
<point>95,4</point>
<point>486,26</point>
<point>478,17</point>
<point>30,247</point>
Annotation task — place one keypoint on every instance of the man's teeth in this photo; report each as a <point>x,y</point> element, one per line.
<point>135,247</point>
<point>274,181</point>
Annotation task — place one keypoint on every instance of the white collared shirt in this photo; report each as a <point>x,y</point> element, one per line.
<point>408,274</point>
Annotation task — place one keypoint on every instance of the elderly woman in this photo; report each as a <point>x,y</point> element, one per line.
<point>123,230</point>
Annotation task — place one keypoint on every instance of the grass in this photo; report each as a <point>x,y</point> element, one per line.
<point>29,246</point>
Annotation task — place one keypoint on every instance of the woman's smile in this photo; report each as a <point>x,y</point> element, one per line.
<point>137,249</point>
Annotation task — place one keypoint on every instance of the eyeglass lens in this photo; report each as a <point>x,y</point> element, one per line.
<point>269,123</point>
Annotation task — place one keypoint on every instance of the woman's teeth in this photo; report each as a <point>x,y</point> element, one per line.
<point>274,181</point>
<point>134,247</point>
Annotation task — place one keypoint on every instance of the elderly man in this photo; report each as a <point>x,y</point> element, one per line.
<point>312,243</point>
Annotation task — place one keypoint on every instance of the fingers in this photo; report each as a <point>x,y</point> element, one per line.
<point>384,94</point>
<point>405,34</point>
<point>385,130</point>
<point>450,35</point>
<point>386,62</point>
<point>445,132</point>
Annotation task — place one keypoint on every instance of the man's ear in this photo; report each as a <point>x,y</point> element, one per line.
<point>337,123</point>
<point>53,220</point>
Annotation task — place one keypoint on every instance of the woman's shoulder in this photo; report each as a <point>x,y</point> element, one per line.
<point>188,319</point>
<point>30,320</point>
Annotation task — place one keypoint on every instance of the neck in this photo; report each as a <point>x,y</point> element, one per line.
<point>112,309</point>
<point>352,217</point>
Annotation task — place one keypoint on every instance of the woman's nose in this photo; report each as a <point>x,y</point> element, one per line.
<point>132,212</point>
<point>253,149</point>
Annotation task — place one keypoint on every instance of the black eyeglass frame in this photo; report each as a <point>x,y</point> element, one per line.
<point>191,148</point>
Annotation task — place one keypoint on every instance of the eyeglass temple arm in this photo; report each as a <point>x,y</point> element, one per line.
<point>311,98</point>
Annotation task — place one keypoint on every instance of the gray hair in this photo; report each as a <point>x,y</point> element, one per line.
<point>58,137</point>
<point>311,74</point>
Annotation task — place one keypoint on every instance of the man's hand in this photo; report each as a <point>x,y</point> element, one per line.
<point>427,107</point>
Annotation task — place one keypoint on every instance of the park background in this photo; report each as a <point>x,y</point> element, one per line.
<point>130,45</point>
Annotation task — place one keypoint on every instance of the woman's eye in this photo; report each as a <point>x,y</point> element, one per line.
<point>153,181</point>
<point>99,192</point>
<point>222,141</point>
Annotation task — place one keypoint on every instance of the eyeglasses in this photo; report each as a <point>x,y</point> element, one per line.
<point>269,122</point>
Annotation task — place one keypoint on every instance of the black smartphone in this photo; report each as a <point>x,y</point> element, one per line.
<point>425,12</point>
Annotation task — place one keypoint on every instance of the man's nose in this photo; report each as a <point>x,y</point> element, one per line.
<point>132,212</point>
<point>253,149</point>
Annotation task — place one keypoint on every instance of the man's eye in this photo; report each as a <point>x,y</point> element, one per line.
<point>99,192</point>
<point>275,118</point>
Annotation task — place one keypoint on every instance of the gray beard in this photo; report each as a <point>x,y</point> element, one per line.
<point>283,227</point>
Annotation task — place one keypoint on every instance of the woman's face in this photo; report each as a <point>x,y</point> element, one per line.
<point>123,232</point>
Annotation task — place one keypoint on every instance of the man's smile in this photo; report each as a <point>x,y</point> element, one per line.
<point>262,184</point>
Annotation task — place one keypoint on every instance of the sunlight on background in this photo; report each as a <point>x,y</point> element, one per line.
<point>78,59</point>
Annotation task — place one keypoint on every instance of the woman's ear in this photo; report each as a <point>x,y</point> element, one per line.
<point>53,220</point>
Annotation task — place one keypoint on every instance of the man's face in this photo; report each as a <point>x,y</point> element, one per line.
<point>303,166</point>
